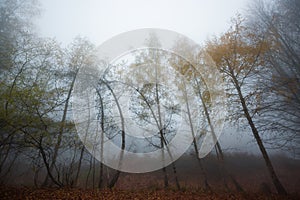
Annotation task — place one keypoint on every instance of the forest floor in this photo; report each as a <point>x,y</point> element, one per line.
<point>249,171</point>
<point>66,193</point>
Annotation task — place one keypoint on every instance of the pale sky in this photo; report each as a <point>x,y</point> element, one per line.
<point>99,20</point>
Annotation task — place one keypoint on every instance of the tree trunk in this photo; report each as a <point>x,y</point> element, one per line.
<point>202,170</point>
<point>62,126</point>
<point>89,172</point>
<point>94,172</point>
<point>114,180</point>
<point>218,148</point>
<point>79,166</point>
<point>205,182</point>
<point>166,182</point>
<point>116,177</point>
<point>225,171</point>
<point>102,140</point>
<point>100,176</point>
<point>279,187</point>
<point>49,173</point>
<point>162,141</point>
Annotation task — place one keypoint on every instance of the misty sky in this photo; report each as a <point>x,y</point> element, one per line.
<point>98,20</point>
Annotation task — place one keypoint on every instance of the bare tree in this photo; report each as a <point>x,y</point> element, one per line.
<point>79,56</point>
<point>279,22</point>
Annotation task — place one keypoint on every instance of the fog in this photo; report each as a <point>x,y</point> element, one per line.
<point>149,99</point>
<point>101,20</point>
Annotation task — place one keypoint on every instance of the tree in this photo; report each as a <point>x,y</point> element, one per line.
<point>200,73</point>
<point>149,108</point>
<point>37,79</point>
<point>78,56</point>
<point>238,55</point>
<point>29,96</point>
<point>15,30</point>
<point>15,22</point>
<point>279,23</point>
<point>154,101</point>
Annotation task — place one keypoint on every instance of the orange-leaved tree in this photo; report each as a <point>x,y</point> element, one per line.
<point>239,56</point>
